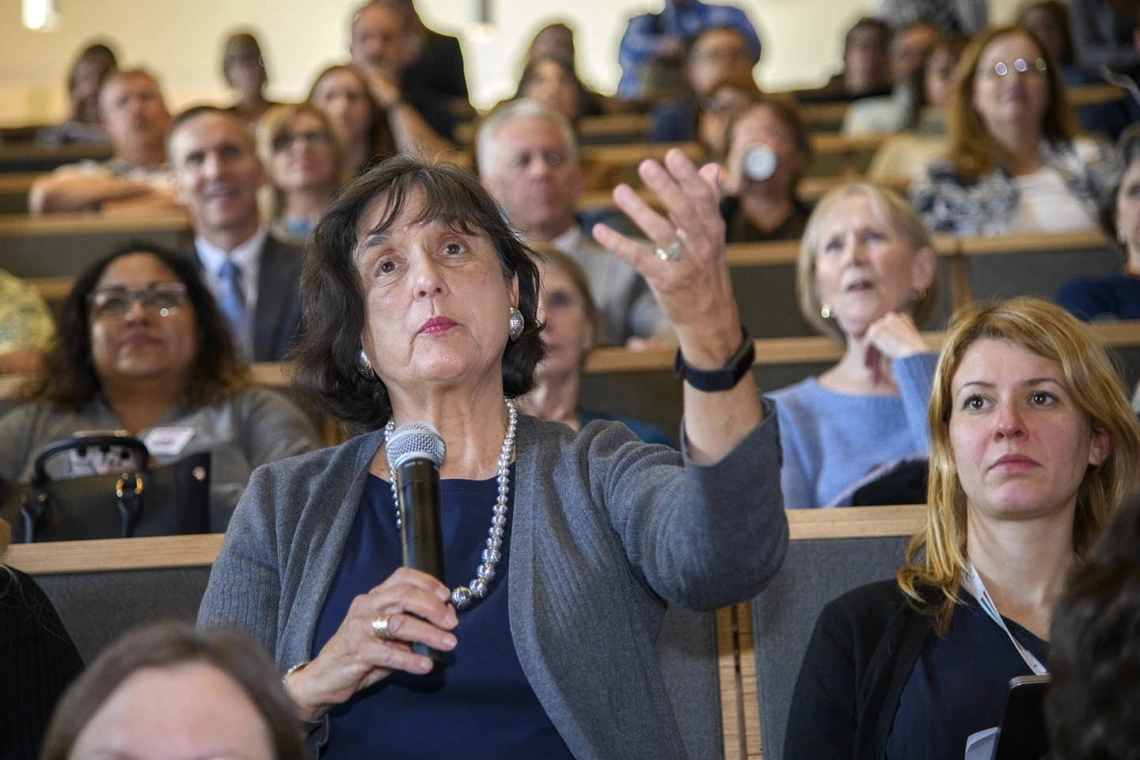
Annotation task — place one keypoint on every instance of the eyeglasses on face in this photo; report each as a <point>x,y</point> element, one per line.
<point>314,137</point>
<point>115,302</point>
<point>1020,65</point>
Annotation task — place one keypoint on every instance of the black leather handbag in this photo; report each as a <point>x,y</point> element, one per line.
<point>164,501</point>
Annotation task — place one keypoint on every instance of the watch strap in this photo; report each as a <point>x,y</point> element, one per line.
<point>722,379</point>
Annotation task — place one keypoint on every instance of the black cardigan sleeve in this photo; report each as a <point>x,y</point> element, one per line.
<point>37,662</point>
<point>823,712</point>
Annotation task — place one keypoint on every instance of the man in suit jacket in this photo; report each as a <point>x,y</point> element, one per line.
<point>528,160</point>
<point>254,277</point>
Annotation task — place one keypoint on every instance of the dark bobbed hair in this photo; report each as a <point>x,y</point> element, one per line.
<point>1093,705</point>
<point>95,50</point>
<point>332,294</point>
<point>69,379</point>
<point>171,645</point>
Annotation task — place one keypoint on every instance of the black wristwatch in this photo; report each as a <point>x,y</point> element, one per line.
<point>723,379</point>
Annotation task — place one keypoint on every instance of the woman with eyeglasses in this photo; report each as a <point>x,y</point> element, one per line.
<point>143,349</point>
<point>304,157</point>
<point>1014,161</point>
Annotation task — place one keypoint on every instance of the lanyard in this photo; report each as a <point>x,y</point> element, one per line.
<point>972,582</point>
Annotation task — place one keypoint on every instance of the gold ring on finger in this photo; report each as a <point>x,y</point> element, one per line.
<point>380,627</point>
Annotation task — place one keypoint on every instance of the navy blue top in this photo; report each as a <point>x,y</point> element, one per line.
<point>959,685</point>
<point>643,430</point>
<point>481,705</point>
<point>1117,295</point>
<point>673,121</point>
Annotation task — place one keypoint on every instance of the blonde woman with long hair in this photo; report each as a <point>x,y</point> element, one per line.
<point>1033,447</point>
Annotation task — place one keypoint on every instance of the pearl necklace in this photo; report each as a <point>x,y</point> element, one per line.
<point>464,596</point>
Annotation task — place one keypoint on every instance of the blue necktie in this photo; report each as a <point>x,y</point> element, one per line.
<point>233,304</point>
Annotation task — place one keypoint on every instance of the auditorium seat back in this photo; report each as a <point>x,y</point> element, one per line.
<point>783,616</point>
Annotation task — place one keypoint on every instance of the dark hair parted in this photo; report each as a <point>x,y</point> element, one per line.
<point>69,380</point>
<point>172,645</point>
<point>332,294</point>
<point>1129,147</point>
<point>1093,706</point>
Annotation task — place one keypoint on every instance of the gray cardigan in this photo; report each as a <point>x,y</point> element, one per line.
<point>607,531</point>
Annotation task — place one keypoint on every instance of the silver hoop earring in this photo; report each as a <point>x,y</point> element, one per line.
<point>364,367</point>
<point>516,323</point>
<point>825,311</point>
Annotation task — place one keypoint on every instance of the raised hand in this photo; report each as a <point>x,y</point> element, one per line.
<point>688,272</point>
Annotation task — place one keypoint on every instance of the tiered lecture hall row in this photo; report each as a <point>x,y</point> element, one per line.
<point>730,673</point>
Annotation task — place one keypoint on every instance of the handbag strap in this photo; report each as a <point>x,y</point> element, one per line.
<point>129,491</point>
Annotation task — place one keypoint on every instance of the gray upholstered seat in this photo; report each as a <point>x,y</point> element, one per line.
<point>783,616</point>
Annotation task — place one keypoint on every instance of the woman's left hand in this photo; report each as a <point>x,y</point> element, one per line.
<point>695,289</point>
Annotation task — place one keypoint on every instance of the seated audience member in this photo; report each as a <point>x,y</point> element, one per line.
<point>557,41</point>
<point>1093,703</point>
<point>1104,31</point>
<point>571,325</point>
<point>719,54</point>
<point>1049,20</point>
<point>553,83</point>
<point>168,691</point>
<point>136,179</point>
<point>301,149</point>
<point>26,326</point>
<point>1118,295</point>
<point>408,295</point>
<point>1015,162</point>
<point>1032,449</point>
<point>712,117</point>
<point>768,153</point>
<point>865,277</point>
<point>142,348</point>
<point>437,66</point>
<point>965,17</point>
<point>907,153</point>
<point>910,48</point>
<point>342,92</point>
<point>37,660</point>
<point>528,161</point>
<point>243,68</point>
<point>866,66</point>
<point>254,277</point>
<point>387,38</point>
<point>84,80</point>
<point>654,38</point>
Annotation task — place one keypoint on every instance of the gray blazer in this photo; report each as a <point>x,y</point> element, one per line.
<point>607,531</point>
<point>277,316</point>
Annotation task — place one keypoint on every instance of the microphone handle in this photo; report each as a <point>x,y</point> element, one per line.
<point>422,527</point>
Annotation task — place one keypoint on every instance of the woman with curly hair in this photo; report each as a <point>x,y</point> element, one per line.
<point>142,348</point>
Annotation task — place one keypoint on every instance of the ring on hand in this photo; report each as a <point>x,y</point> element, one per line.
<point>380,627</point>
<point>672,253</point>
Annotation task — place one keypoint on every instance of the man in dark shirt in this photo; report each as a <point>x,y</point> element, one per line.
<point>416,75</point>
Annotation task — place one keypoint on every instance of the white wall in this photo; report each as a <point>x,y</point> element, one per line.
<point>181,40</point>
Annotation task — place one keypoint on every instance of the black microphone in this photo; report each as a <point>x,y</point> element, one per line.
<point>415,453</point>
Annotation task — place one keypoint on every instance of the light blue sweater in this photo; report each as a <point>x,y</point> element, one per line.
<point>831,439</point>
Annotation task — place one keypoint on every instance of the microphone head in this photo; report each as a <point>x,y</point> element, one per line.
<point>415,440</point>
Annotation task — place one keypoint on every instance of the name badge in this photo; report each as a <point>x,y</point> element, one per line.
<point>168,441</point>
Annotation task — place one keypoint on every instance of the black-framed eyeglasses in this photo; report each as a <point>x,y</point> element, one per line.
<point>1021,66</point>
<point>115,302</point>
<point>313,137</point>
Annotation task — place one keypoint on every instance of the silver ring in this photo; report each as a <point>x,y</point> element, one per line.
<point>380,627</point>
<point>672,253</point>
